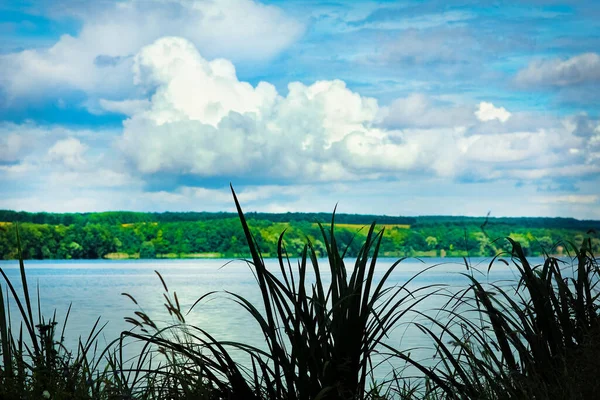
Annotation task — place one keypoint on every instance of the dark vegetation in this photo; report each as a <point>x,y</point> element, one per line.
<point>151,235</point>
<point>535,338</point>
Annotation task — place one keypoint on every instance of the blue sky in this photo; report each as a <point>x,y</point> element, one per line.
<point>395,107</point>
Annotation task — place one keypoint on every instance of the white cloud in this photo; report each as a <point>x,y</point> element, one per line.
<point>587,130</point>
<point>68,152</point>
<point>420,111</point>
<point>193,87</point>
<point>29,143</point>
<point>98,59</point>
<point>202,121</point>
<point>488,112</point>
<point>583,126</point>
<point>576,70</point>
<point>571,199</point>
<point>126,107</point>
<point>11,147</point>
<point>60,163</point>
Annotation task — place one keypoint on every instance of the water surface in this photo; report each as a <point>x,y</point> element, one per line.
<point>94,289</point>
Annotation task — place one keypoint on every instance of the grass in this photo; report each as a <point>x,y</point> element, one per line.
<point>324,323</point>
<point>533,340</point>
<point>34,361</point>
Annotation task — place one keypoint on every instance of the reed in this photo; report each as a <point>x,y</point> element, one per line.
<point>322,325</point>
<point>324,321</point>
<point>533,339</point>
<point>35,363</point>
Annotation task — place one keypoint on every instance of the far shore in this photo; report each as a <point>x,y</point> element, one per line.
<point>219,256</point>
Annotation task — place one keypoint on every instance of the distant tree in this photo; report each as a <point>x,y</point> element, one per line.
<point>74,250</point>
<point>431,242</point>
<point>147,250</point>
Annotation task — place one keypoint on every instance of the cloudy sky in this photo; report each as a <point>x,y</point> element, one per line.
<point>395,107</point>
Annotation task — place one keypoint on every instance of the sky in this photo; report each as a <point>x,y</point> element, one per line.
<point>382,107</point>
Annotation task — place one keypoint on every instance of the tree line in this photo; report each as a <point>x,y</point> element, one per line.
<point>121,217</point>
<point>152,235</point>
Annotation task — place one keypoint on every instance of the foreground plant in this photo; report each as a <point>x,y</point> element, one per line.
<point>534,339</point>
<point>34,363</point>
<point>322,326</point>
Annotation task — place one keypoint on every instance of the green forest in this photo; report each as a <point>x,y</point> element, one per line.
<point>203,234</point>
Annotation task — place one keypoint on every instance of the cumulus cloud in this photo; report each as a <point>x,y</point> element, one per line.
<point>29,140</point>
<point>68,152</point>
<point>21,143</point>
<point>422,111</point>
<point>98,59</point>
<point>77,177</point>
<point>12,146</point>
<point>580,69</point>
<point>200,124</point>
<point>52,159</point>
<point>587,130</point>
<point>488,112</point>
<point>202,121</point>
<point>418,110</point>
<point>584,126</point>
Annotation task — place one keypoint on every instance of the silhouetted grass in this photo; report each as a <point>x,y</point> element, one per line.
<point>320,333</point>
<point>35,363</point>
<point>535,339</point>
<point>324,323</point>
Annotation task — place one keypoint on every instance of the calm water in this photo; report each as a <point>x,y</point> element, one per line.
<point>94,288</point>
